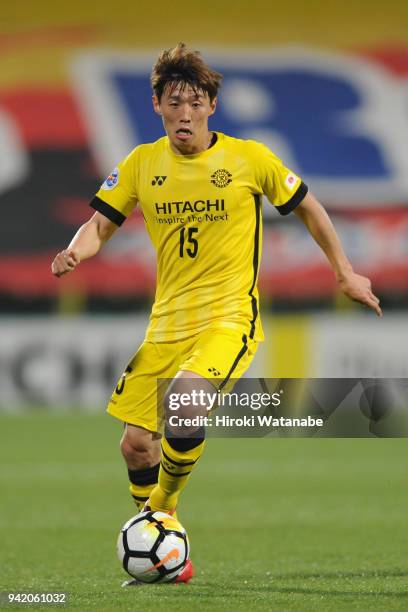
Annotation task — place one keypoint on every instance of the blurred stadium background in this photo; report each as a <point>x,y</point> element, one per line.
<point>325,87</point>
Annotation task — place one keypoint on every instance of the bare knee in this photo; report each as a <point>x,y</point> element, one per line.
<point>183,417</point>
<point>140,448</point>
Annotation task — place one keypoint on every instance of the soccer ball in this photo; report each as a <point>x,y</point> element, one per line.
<point>153,547</point>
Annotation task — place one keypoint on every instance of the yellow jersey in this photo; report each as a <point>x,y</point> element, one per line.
<point>203,215</point>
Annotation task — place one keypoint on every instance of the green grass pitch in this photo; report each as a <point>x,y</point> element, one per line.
<point>275,524</point>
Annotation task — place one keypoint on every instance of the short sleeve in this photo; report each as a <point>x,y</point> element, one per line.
<point>283,188</point>
<point>117,196</point>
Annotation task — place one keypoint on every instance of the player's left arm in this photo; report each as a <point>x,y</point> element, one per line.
<point>319,225</point>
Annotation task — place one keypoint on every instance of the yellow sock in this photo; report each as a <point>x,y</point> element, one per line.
<point>140,494</point>
<point>142,482</point>
<point>175,469</point>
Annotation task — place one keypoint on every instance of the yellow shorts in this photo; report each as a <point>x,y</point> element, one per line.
<point>219,355</point>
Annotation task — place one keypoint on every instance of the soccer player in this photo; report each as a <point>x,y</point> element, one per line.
<point>200,195</point>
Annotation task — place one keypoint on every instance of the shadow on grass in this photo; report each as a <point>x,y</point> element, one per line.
<point>306,591</point>
<point>264,589</point>
<point>211,591</point>
<point>395,573</point>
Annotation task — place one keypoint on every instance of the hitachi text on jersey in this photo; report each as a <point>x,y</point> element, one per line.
<point>170,208</point>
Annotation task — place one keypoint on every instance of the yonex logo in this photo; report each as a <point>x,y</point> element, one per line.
<point>169,466</point>
<point>158,180</point>
<point>214,371</point>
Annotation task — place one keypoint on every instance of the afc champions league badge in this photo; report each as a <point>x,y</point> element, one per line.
<point>112,180</point>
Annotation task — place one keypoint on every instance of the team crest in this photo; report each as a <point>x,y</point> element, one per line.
<point>112,180</point>
<point>221,177</point>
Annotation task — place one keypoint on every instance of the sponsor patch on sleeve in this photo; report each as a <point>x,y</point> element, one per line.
<point>291,180</point>
<point>112,180</point>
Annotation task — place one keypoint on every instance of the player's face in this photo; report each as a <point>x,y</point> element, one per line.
<point>185,115</point>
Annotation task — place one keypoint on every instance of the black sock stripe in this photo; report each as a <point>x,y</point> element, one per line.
<point>176,475</point>
<point>183,445</point>
<point>178,463</point>
<point>137,498</point>
<point>146,476</point>
<point>241,353</point>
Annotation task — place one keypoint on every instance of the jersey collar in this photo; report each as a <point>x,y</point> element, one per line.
<point>200,155</point>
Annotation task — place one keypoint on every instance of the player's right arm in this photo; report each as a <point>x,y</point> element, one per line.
<point>114,201</point>
<point>86,243</point>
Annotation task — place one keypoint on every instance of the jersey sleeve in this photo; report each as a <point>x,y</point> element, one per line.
<point>117,196</point>
<point>283,188</point>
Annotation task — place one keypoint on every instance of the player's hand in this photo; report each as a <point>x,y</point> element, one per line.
<point>65,262</point>
<point>358,288</point>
